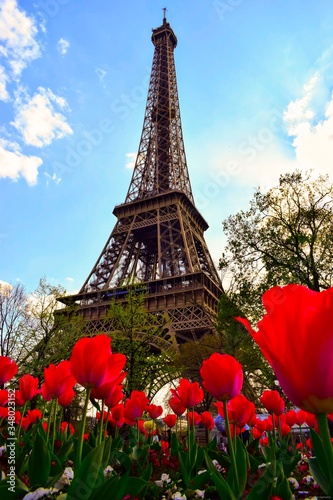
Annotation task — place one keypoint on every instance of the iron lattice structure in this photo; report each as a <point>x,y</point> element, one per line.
<point>158,239</point>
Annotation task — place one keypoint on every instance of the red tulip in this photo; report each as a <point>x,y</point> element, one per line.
<point>222,376</point>
<point>92,361</point>
<point>28,387</point>
<point>273,402</point>
<point>104,417</point>
<point>66,397</point>
<point>170,420</point>
<point>207,420</point>
<point>239,408</point>
<point>34,415</point>
<point>111,392</point>
<point>3,412</point>
<point>256,433</point>
<point>252,419</point>
<point>3,397</point>
<point>261,425</point>
<point>65,425</point>
<point>58,380</point>
<point>296,338</point>
<point>188,393</point>
<point>285,429</point>
<point>8,369</point>
<point>193,418</point>
<point>135,406</point>
<point>176,406</point>
<point>154,411</point>
<point>117,416</point>
<point>31,417</point>
<point>19,401</point>
<point>291,418</point>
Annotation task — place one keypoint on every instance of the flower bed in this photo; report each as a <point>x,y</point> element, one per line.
<point>132,454</point>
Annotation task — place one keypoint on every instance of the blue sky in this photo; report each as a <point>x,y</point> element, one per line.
<point>255,81</point>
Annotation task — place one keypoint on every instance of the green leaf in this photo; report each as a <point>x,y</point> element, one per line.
<point>241,463</point>
<point>65,450</point>
<point>39,464</point>
<point>221,484</point>
<point>89,475</point>
<point>317,472</point>
<point>147,472</point>
<point>283,490</point>
<point>264,486</point>
<point>174,445</point>
<point>116,488</point>
<point>14,491</point>
<point>200,480</point>
<point>184,474</point>
<point>254,463</point>
<point>107,451</point>
<point>319,452</point>
<point>122,458</point>
<point>221,457</point>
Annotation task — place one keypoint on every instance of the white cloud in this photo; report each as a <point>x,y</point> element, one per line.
<point>69,279</point>
<point>52,177</point>
<point>62,46</point>
<point>4,96</point>
<point>13,164</point>
<point>17,36</point>
<point>37,119</point>
<point>131,160</point>
<point>310,123</point>
<point>101,73</point>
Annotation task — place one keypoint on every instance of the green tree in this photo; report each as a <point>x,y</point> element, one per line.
<point>285,237</point>
<point>236,341</point>
<point>145,340</point>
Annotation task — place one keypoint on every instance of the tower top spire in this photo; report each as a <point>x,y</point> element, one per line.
<point>164,15</point>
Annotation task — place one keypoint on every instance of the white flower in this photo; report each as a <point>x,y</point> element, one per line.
<point>199,493</point>
<point>108,470</point>
<point>159,483</point>
<point>2,449</point>
<point>201,471</point>
<point>262,466</point>
<point>68,472</point>
<point>309,479</point>
<point>65,479</point>
<point>39,493</point>
<point>178,496</point>
<point>293,482</point>
<point>165,478</point>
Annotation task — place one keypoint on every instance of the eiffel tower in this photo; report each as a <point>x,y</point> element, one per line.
<point>158,239</point>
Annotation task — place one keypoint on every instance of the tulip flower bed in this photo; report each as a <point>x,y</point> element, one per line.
<point>121,458</point>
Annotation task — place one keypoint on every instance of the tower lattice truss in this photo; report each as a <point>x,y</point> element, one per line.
<point>158,240</point>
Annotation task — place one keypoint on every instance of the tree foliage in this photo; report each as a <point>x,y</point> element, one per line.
<point>144,339</point>
<point>13,319</point>
<point>285,237</point>
<point>48,335</point>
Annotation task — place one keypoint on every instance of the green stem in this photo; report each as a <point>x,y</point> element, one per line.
<point>101,422</point>
<point>82,428</point>
<point>49,421</point>
<point>54,423</point>
<point>280,432</point>
<point>230,443</point>
<point>20,426</point>
<point>107,421</point>
<point>274,433</point>
<point>327,443</point>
